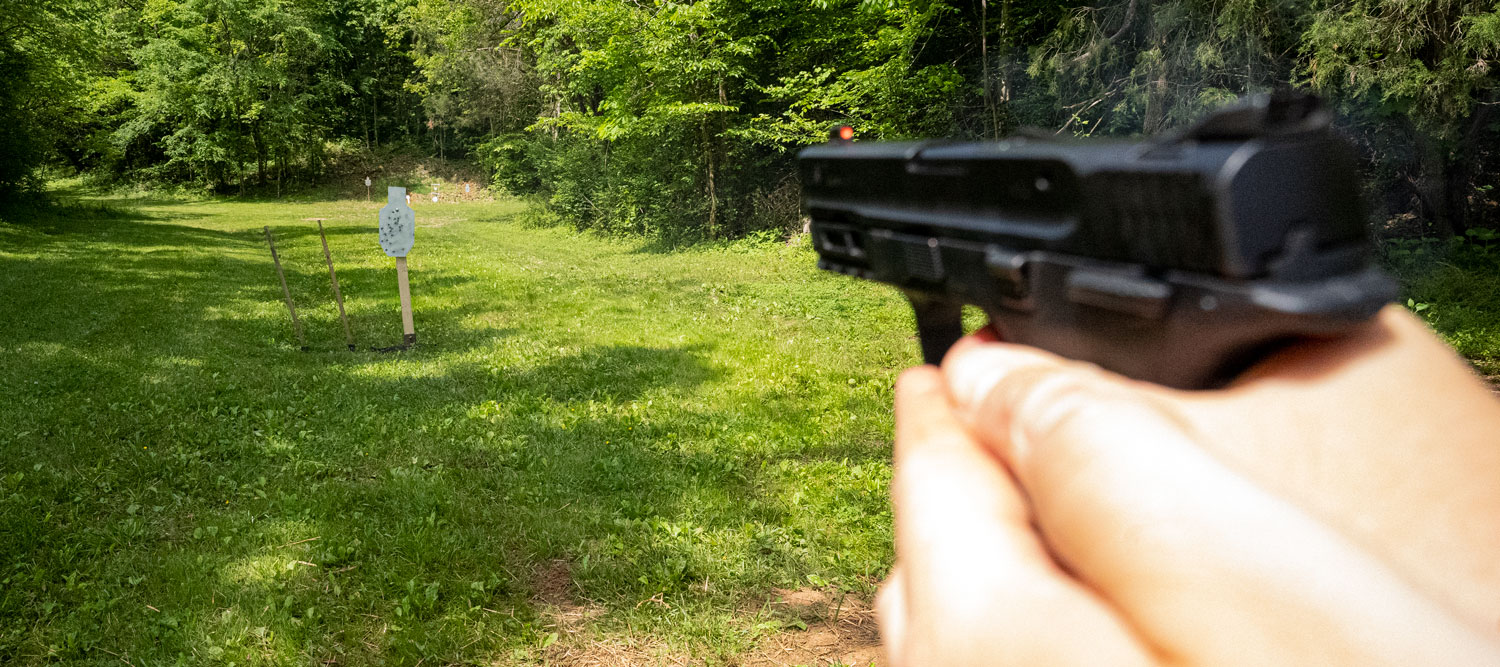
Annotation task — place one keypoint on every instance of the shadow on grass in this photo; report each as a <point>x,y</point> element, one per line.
<point>131,280</point>
<point>176,480</point>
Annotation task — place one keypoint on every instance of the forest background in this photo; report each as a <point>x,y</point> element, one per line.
<point>680,119</point>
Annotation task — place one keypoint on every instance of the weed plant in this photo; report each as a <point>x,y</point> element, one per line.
<point>1455,285</point>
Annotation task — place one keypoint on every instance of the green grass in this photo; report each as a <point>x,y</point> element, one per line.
<point>675,432</point>
<point>1455,286</point>
<point>661,438</point>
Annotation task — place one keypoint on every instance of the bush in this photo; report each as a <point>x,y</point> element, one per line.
<point>1455,285</point>
<point>512,161</point>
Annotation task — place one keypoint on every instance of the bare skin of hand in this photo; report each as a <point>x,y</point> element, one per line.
<point>1340,504</point>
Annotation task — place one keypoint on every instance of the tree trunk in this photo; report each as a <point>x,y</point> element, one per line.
<point>260,155</point>
<point>1456,188</point>
<point>1156,102</point>
<point>984,57</point>
<point>713,195</point>
<point>1006,43</point>
<point>1432,184</point>
<point>1461,171</point>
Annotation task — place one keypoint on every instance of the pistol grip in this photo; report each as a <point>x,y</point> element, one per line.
<point>939,324</point>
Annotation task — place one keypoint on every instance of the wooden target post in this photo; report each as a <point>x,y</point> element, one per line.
<point>408,328</point>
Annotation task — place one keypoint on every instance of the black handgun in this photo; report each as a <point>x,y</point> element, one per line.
<point>1179,260</point>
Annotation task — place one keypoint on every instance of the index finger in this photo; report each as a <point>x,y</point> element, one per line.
<point>976,573</point>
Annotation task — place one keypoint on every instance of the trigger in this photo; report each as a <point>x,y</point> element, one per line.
<point>939,325</point>
<point>989,333</point>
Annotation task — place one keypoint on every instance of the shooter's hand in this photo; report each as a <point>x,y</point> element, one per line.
<point>1338,506</point>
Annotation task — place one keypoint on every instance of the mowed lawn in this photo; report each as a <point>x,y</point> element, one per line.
<point>596,443</point>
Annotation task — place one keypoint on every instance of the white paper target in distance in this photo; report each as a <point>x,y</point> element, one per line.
<point>398,224</point>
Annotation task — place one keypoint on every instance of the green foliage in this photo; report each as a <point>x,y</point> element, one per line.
<point>1427,59</point>
<point>878,83</point>
<point>470,81</point>
<point>43,46</point>
<point>1142,67</point>
<point>1455,285</point>
<point>658,116</point>
<point>680,119</point>
<point>221,92</point>
<point>224,83</point>
<point>515,161</point>
<point>1413,80</point>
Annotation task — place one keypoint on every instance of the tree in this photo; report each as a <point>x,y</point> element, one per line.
<point>1420,70</point>
<point>43,49</point>
<point>681,118</point>
<point>225,83</point>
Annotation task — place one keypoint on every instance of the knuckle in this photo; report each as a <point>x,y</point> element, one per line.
<point>1031,406</point>
<point>1041,403</point>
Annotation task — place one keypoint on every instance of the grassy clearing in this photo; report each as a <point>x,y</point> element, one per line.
<point>661,438</point>
<point>596,444</point>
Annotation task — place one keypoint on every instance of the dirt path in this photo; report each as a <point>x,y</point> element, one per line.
<point>821,628</point>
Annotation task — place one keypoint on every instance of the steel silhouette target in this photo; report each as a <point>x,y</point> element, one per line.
<point>398,224</point>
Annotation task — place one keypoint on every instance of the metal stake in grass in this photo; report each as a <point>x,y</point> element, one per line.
<point>334,277</point>
<point>296,324</point>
